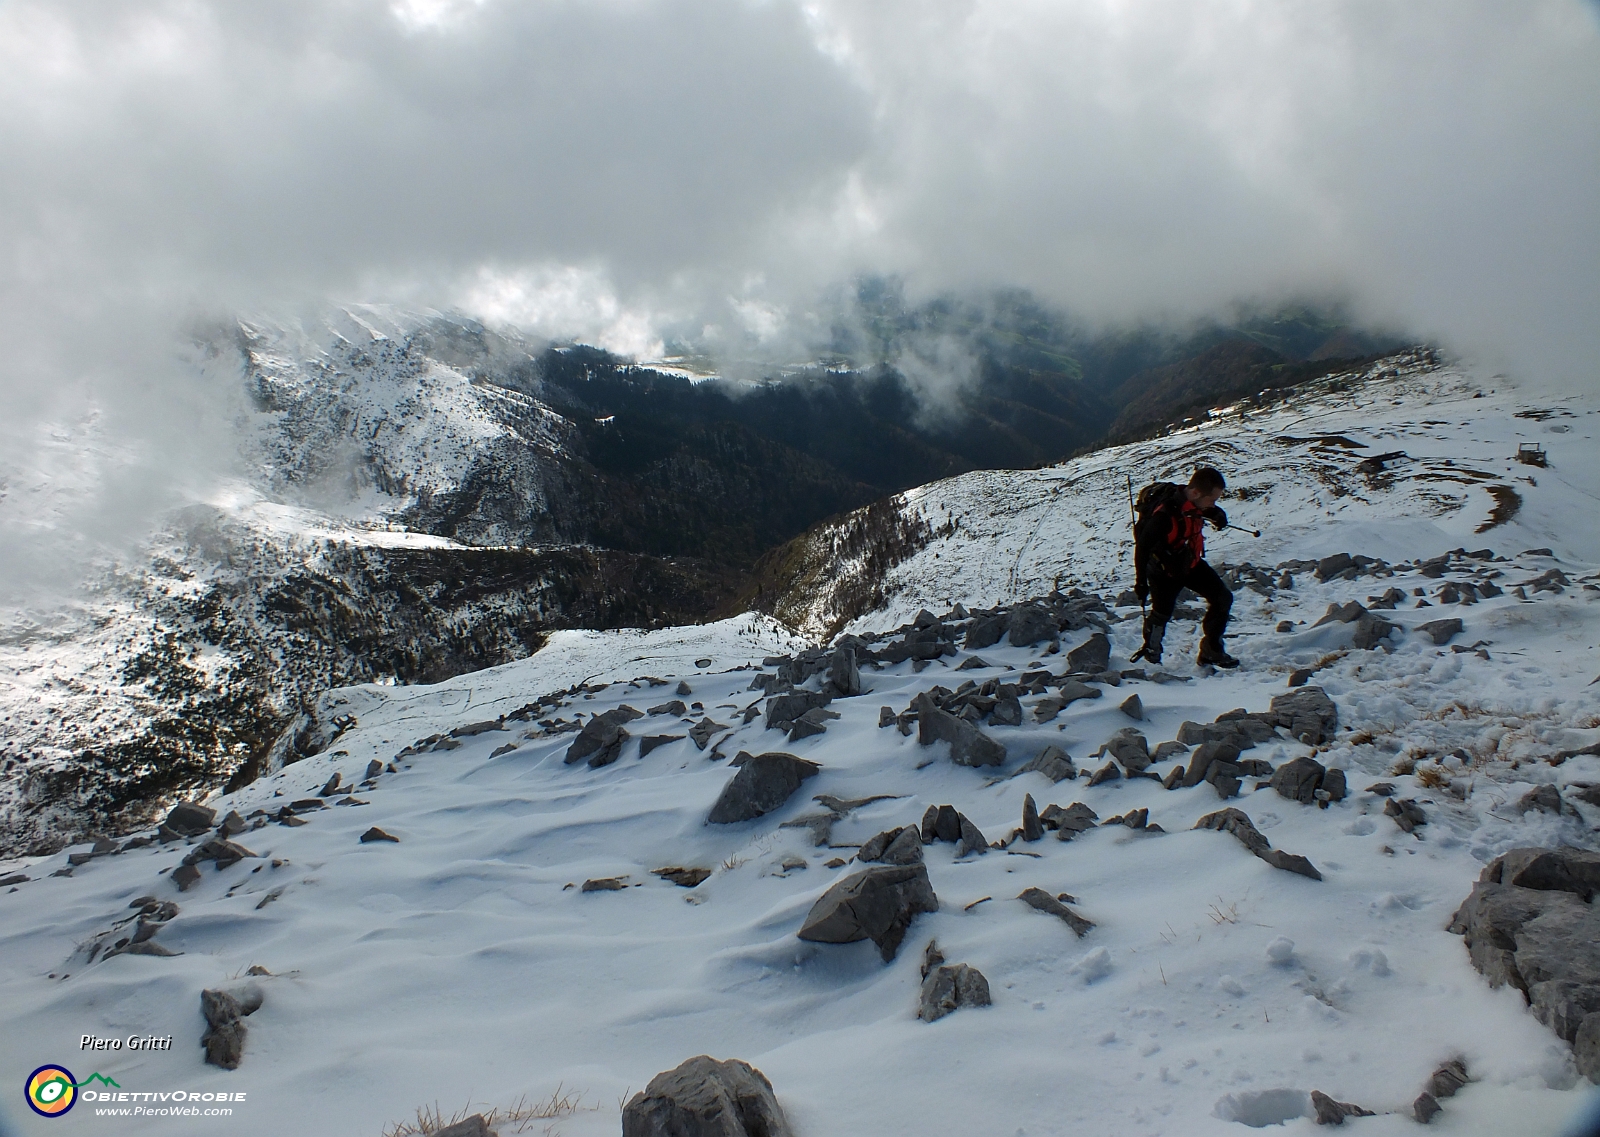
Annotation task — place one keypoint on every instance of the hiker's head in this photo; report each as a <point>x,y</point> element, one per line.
<point>1205,487</point>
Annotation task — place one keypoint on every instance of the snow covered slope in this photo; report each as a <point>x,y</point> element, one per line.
<point>464,965</point>
<point>1294,471</point>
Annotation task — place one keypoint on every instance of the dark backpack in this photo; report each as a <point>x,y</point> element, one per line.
<point>1154,495</point>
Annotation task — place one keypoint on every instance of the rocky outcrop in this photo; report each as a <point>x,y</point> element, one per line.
<point>1530,923</point>
<point>947,988</point>
<point>706,1098</point>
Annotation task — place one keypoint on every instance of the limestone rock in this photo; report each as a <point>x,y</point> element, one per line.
<point>225,1033</point>
<point>1129,747</point>
<point>1441,632</point>
<point>1040,899</point>
<point>601,739</point>
<point>1091,657</point>
<point>1053,762</point>
<point>706,1098</point>
<point>1032,830</point>
<point>969,746</point>
<point>761,785</point>
<point>1028,624</point>
<point>187,819</point>
<point>1238,823</point>
<point>1133,707</point>
<point>1330,1112</point>
<point>1299,779</point>
<point>949,988</point>
<point>877,903</point>
<point>1307,713</point>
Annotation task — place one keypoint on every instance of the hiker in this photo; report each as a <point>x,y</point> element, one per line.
<point>1169,549</point>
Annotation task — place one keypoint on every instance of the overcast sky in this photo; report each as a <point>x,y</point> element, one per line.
<point>605,168</point>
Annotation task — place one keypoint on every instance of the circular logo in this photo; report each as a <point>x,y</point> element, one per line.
<point>51,1091</point>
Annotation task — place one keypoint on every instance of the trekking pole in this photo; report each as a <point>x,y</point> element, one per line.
<point>1242,529</point>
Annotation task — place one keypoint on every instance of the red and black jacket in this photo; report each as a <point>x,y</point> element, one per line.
<point>1170,536</point>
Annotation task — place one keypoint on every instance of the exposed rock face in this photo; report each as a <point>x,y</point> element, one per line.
<point>706,1098</point>
<point>877,904</point>
<point>948,988</point>
<point>1530,923</point>
<point>969,746</point>
<point>188,820</point>
<point>763,783</point>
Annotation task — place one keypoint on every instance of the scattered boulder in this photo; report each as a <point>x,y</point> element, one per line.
<point>1373,630</point>
<point>878,903</point>
<point>706,1098</point>
<point>331,786</point>
<point>1039,899</point>
<point>682,877</point>
<point>700,733</point>
<point>676,708</point>
<point>186,819</point>
<point>1133,708</point>
<point>1007,711</point>
<point>901,846</point>
<point>844,674</point>
<point>1424,1109</point>
<point>376,834</point>
<point>1347,613</point>
<point>1206,755</point>
<point>683,687</point>
<point>1545,799</point>
<point>1091,657</point>
<point>783,710</point>
<point>604,884</point>
<point>1299,779</point>
<point>972,840</point>
<point>1330,567</point>
<point>1053,762</point>
<point>941,823</point>
<point>1330,1112</point>
<point>969,746</point>
<point>1069,822</point>
<point>1406,813</point>
<point>1106,773</point>
<point>1032,829</point>
<point>650,742</point>
<point>1307,714</point>
<point>225,1032</point>
<point>601,739</point>
<point>1028,624</point>
<point>763,783</point>
<point>184,876</point>
<point>1238,823</point>
<point>1129,747</point>
<point>1300,676</point>
<point>984,632</point>
<point>949,988</point>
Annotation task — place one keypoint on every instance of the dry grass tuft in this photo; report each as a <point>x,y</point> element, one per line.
<point>1407,762</point>
<point>512,1119</point>
<point>1432,777</point>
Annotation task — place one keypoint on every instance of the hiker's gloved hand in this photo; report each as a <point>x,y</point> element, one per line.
<point>1218,518</point>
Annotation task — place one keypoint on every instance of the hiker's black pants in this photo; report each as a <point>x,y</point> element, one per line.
<point>1204,581</point>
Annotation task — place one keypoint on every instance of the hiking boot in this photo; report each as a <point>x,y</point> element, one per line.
<point>1213,655</point>
<point>1154,631</point>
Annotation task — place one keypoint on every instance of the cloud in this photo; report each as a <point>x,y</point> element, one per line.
<point>630,167</point>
